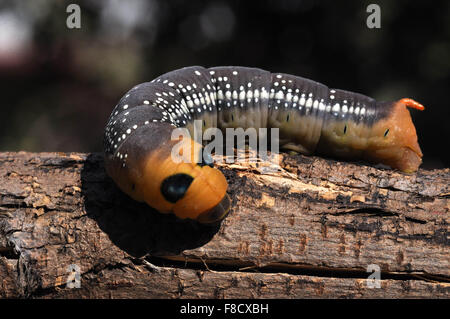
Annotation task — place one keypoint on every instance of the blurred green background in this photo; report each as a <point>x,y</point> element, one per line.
<point>59,85</point>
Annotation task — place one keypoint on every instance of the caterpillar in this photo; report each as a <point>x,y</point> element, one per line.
<point>311,118</point>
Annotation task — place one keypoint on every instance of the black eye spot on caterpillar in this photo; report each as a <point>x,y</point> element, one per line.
<point>310,117</point>
<point>174,187</point>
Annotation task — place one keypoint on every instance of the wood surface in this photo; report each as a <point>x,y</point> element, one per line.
<point>309,228</point>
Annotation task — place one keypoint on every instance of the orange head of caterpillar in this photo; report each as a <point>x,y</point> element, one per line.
<point>191,188</point>
<point>393,141</point>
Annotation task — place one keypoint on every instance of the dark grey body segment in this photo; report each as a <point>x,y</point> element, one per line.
<point>242,96</point>
<point>226,97</point>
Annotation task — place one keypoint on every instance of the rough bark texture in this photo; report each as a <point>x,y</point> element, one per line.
<point>310,229</point>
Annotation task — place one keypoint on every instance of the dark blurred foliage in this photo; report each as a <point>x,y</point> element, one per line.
<point>59,85</point>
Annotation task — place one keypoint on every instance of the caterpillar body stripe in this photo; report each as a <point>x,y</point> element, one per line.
<point>311,118</point>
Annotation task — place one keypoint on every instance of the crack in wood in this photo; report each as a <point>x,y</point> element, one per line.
<point>217,265</point>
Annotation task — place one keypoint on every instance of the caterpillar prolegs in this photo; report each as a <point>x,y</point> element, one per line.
<point>311,118</point>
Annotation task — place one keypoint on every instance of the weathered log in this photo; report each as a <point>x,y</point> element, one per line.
<point>310,229</point>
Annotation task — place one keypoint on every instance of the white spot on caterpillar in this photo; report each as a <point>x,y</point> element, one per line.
<point>146,102</point>
<point>211,72</point>
<point>220,94</point>
<point>289,97</point>
<point>315,104</point>
<point>302,101</point>
<point>321,106</point>
<point>344,108</point>
<point>336,108</point>
<point>171,84</point>
<point>332,97</point>
<point>279,95</point>
<point>198,73</point>
<point>279,76</point>
<point>235,72</point>
<point>125,106</point>
<point>264,94</point>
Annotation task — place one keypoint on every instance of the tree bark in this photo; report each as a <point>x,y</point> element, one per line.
<point>314,228</point>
